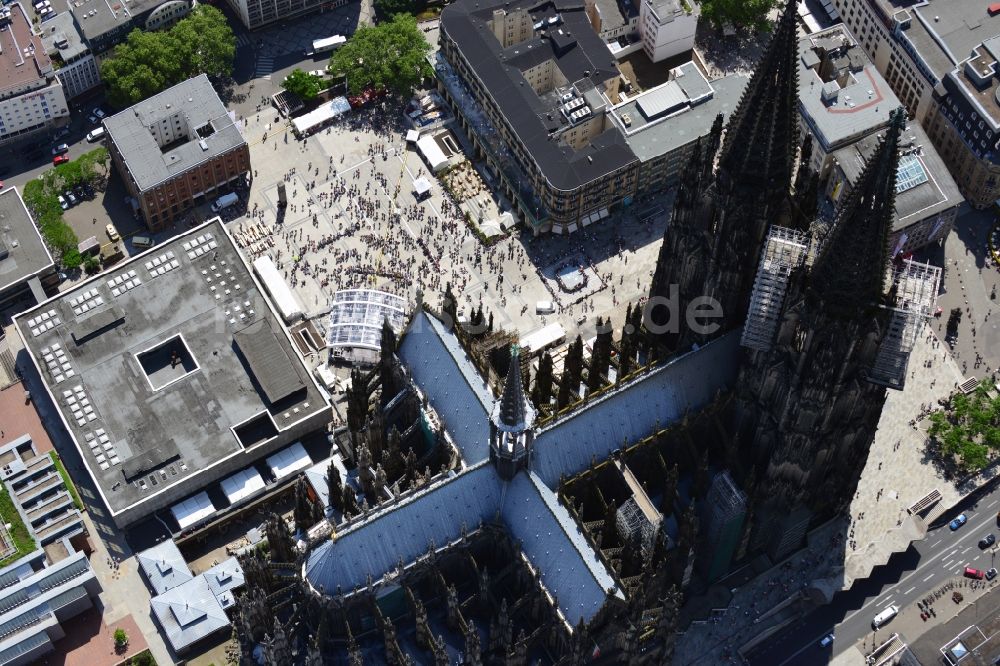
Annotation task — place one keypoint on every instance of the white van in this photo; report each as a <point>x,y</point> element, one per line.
<point>887,614</point>
<point>142,242</point>
<point>95,134</point>
<point>225,201</point>
<point>545,307</point>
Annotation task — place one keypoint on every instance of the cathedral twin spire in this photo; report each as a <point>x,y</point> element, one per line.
<point>851,268</point>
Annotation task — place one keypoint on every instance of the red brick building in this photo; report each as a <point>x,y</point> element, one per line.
<point>177,149</point>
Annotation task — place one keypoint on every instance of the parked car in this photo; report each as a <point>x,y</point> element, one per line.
<point>59,159</point>
<point>100,114</point>
<point>322,73</point>
<point>991,573</point>
<point>826,640</point>
<point>62,203</point>
<point>987,541</point>
<point>974,573</point>
<point>71,198</point>
<point>61,149</point>
<point>61,133</point>
<point>958,522</point>
<point>112,232</point>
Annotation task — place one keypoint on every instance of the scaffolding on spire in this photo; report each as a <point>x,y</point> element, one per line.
<point>784,251</point>
<point>916,297</point>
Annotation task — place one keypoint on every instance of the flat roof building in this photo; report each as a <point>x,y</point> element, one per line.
<point>26,266</point>
<point>76,65</point>
<point>927,197</point>
<point>106,24</point>
<point>171,371</point>
<point>31,97</point>
<point>940,57</point>
<point>661,125</point>
<point>842,96</point>
<point>177,148</point>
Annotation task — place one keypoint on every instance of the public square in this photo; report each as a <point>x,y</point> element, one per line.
<point>352,220</point>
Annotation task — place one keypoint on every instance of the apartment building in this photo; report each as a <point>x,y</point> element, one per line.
<point>75,65</point>
<point>940,58</point>
<point>176,149</point>
<point>32,99</point>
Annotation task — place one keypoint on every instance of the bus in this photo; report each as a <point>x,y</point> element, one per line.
<point>327,44</point>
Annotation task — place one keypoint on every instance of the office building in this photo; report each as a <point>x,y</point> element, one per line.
<point>667,28</point>
<point>27,271</point>
<point>32,99</point>
<point>842,97</point>
<point>75,65</point>
<point>176,149</point>
<point>106,24</point>
<point>169,372</point>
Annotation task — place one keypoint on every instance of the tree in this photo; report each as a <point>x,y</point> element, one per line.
<point>750,14</point>
<point>385,9</point>
<point>213,45</point>
<point>390,56</point>
<point>306,86</point>
<point>148,62</point>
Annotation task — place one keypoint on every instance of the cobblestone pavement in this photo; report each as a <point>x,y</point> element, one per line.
<point>899,471</point>
<point>345,186</point>
<point>970,283</point>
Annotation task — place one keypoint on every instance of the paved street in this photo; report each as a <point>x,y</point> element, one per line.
<point>908,577</point>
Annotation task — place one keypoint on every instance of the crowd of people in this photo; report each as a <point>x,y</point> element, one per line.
<point>360,235</point>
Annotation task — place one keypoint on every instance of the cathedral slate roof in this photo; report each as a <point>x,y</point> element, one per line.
<point>555,546</point>
<point>403,531</point>
<point>689,382</point>
<point>570,570</point>
<point>453,386</point>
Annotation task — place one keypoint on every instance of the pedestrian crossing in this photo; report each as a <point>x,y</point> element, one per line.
<point>243,39</point>
<point>265,65</point>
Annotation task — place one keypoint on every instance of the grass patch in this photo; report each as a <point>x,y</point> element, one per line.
<point>19,533</point>
<point>41,195</point>
<point>144,658</point>
<point>68,482</point>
